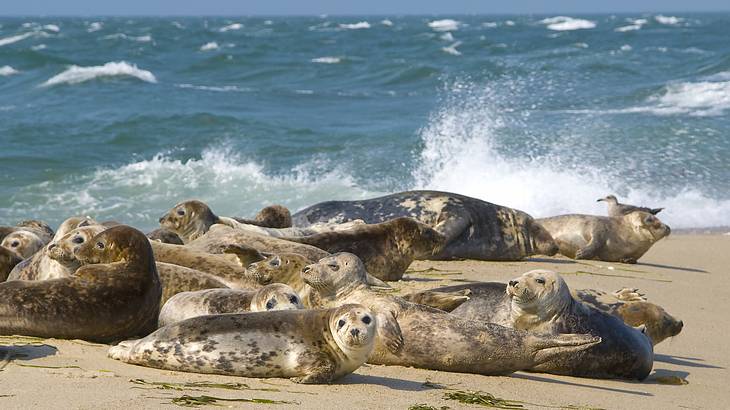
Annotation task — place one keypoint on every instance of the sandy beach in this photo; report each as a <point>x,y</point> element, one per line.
<point>686,274</point>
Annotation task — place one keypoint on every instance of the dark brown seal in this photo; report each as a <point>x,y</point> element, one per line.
<point>115,295</point>
<point>473,229</point>
<point>611,239</point>
<point>272,216</point>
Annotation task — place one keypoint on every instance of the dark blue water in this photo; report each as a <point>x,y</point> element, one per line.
<point>123,117</point>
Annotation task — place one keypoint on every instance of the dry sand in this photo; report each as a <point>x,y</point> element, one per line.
<point>687,274</point>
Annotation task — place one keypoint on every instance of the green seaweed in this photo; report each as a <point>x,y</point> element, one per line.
<point>671,380</point>
<point>434,385</point>
<point>482,399</point>
<point>17,340</point>
<point>424,406</point>
<point>38,366</point>
<point>197,401</point>
<point>199,385</point>
<point>435,272</point>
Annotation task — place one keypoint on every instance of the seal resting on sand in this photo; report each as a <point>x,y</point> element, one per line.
<point>114,295</point>
<point>473,229</point>
<point>185,305</point>
<point>420,336</point>
<point>621,239</point>
<point>309,346</point>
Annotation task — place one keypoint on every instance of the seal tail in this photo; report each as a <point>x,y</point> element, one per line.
<point>552,347</point>
<point>122,351</point>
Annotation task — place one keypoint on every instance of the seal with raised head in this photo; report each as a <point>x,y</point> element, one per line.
<point>114,295</point>
<point>473,229</point>
<point>184,305</point>
<point>540,301</point>
<point>489,301</point>
<point>272,216</point>
<point>616,209</point>
<point>420,336</point>
<point>612,239</point>
<point>309,346</point>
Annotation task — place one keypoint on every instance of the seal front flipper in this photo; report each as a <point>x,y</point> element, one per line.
<point>246,254</point>
<point>446,301</point>
<point>321,372</point>
<point>390,332</point>
<point>452,226</point>
<point>551,347</point>
<point>590,251</point>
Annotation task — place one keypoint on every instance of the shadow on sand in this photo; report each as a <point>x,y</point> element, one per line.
<point>533,377</point>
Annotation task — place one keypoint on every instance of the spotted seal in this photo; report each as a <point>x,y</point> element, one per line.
<point>272,216</point>
<point>309,346</point>
<point>114,295</point>
<point>612,239</point>
<point>420,336</point>
<point>616,209</point>
<point>473,229</point>
<point>8,261</point>
<point>185,305</point>
<point>165,236</point>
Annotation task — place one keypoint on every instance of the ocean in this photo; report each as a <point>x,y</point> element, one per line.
<point>121,118</point>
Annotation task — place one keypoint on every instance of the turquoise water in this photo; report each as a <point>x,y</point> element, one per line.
<point>120,118</point>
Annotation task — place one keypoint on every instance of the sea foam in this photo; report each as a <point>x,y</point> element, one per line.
<point>14,39</point>
<point>564,23</point>
<point>444,25</point>
<point>355,26</point>
<point>75,74</point>
<point>6,70</point>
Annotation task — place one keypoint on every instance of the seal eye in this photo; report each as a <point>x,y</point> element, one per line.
<point>540,281</point>
<point>340,324</point>
<point>77,239</point>
<point>100,245</point>
<point>335,267</point>
<point>181,212</point>
<point>269,305</point>
<point>366,320</point>
<point>293,300</point>
<point>15,244</point>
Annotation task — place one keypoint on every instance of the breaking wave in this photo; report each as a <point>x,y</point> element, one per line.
<point>76,74</point>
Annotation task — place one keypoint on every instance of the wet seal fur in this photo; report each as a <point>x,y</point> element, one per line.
<point>185,305</point>
<point>473,229</point>
<point>489,301</point>
<point>309,346</point>
<point>420,336</point>
<point>114,295</point>
<point>540,301</point>
<point>612,239</point>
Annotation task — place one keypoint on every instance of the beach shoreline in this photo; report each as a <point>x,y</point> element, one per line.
<point>683,273</point>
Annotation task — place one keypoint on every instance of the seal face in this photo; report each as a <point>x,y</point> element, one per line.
<point>24,243</point>
<point>612,239</point>
<point>189,219</point>
<point>541,302</point>
<point>185,305</point>
<point>420,336</point>
<point>116,294</point>
<point>473,229</point>
<point>310,346</point>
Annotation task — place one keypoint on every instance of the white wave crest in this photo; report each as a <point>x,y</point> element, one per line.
<point>444,25</point>
<point>139,192</point>
<point>630,27</point>
<point>95,26</point>
<point>355,26</point>
<point>222,89</point>
<point>231,27</point>
<point>76,74</point>
<point>452,49</point>
<point>209,46</point>
<point>14,39</point>
<point>39,47</point>
<point>327,60</point>
<point>386,23</point>
<point>460,154</point>
<point>52,27</point>
<point>6,70</point>
<point>668,20</point>
<point>447,36</point>
<point>564,23</point>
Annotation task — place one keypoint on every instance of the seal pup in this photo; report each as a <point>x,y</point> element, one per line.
<point>473,229</point>
<point>616,209</point>
<point>165,236</point>
<point>8,261</point>
<point>272,216</point>
<point>612,239</point>
<point>309,346</point>
<point>420,336</point>
<point>185,305</point>
<point>114,295</point>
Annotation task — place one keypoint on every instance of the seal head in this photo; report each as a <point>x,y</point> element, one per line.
<point>189,219</point>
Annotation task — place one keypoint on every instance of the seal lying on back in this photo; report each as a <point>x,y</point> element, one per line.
<point>616,209</point>
<point>310,346</point>
<point>540,301</point>
<point>115,295</point>
<point>420,336</point>
<point>185,305</point>
<point>473,229</point>
<point>489,301</point>
<point>621,239</point>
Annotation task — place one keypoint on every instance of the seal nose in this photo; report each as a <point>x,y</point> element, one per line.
<point>513,283</point>
<point>306,269</point>
<point>51,246</point>
<point>354,332</point>
<point>680,325</point>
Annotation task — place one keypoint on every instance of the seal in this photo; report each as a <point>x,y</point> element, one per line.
<point>420,336</point>
<point>72,223</point>
<point>473,229</point>
<point>540,301</point>
<point>176,279</point>
<point>272,216</point>
<point>309,346</point>
<point>23,243</point>
<point>616,209</point>
<point>8,261</point>
<point>115,295</point>
<point>488,301</point>
<point>165,236</point>
<point>185,305</point>
<point>612,239</point>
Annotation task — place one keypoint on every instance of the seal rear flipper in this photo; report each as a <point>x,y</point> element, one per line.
<point>552,347</point>
<point>446,301</point>
<point>389,332</point>
<point>629,295</point>
<point>376,283</point>
<point>246,255</point>
<point>122,351</point>
<point>590,251</point>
